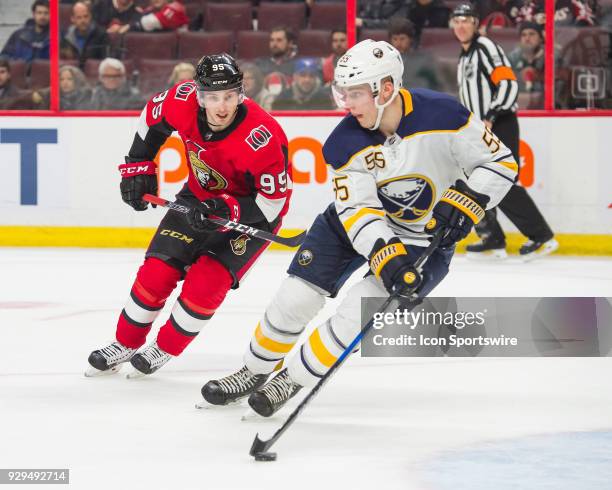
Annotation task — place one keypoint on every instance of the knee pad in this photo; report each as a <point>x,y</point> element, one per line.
<point>206,285</point>
<point>155,281</point>
<point>294,305</point>
<point>346,322</point>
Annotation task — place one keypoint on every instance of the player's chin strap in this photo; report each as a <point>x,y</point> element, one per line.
<point>381,107</point>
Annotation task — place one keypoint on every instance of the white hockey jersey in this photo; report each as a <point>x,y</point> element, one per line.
<point>388,187</point>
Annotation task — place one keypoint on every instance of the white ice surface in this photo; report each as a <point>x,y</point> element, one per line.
<point>380,423</point>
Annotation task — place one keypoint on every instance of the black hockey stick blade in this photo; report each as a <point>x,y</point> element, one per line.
<point>293,241</point>
<point>259,448</point>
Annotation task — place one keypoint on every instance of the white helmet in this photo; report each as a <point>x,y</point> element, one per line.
<point>368,62</point>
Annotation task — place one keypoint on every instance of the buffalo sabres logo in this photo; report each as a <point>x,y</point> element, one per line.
<point>207,176</point>
<point>239,244</point>
<point>407,198</point>
<point>305,257</point>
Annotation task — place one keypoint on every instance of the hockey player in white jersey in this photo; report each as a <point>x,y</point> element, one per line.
<point>406,164</point>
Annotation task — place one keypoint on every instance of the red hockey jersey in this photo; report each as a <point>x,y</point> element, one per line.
<point>169,18</point>
<point>247,159</point>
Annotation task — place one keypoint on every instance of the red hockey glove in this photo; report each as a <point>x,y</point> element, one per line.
<point>224,206</point>
<point>391,263</point>
<point>138,179</point>
<point>456,212</point>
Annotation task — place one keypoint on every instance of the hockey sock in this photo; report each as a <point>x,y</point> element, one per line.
<point>154,283</point>
<point>206,285</point>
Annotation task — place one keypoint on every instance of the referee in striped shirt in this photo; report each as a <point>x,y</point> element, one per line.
<point>488,88</point>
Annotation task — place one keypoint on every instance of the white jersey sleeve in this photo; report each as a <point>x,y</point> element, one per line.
<point>486,161</point>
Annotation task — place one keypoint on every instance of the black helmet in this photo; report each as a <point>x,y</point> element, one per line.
<point>218,72</point>
<point>464,10</point>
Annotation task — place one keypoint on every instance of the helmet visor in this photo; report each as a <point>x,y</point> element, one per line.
<point>214,99</point>
<point>355,96</point>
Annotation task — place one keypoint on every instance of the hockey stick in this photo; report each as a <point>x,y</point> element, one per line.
<point>259,449</point>
<point>293,241</point>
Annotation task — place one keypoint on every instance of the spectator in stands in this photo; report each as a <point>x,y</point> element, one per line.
<point>283,50</point>
<point>181,73</point>
<point>253,84</point>
<point>577,13</point>
<point>8,92</point>
<point>419,66</point>
<point>113,90</point>
<point>306,91</point>
<point>428,13</point>
<point>499,13</point>
<point>75,93</point>
<point>160,15</point>
<point>527,59</point>
<point>84,39</point>
<point>375,14</point>
<point>338,47</point>
<point>32,40</point>
<point>112,14</point>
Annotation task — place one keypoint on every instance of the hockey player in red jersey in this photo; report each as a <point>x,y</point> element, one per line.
<point>238,170</point>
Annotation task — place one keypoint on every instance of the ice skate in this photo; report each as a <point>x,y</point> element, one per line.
<point>231,389</point>
<point>148,361</point>
<point>108,360</point>
<point>532,250</point>
<point>273,395</point>
<point>486,249</point>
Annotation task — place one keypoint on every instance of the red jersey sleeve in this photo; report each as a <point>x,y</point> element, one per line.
<point>162,115</point>
<point>272,173</point>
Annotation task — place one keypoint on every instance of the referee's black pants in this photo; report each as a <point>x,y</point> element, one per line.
<point>517,205</point>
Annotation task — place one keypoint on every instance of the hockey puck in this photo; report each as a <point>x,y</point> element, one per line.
<point>265,457</point>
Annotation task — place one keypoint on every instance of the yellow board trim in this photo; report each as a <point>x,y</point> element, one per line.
<point>348,224</point>
<point>103,237</point>
<point>271,345</point>
<point>320,351</point>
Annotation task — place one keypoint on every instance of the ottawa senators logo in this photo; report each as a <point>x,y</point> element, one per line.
<point>239,244</point>
<point>207,176</point>
<point>259,137</point>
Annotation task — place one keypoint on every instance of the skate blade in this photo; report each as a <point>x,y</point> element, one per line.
<point>250,414</point>
<point>489,256</point>
<point>92,372</point>
<point>546,249</point>
<point>135,374</point>
<point>204,405</point>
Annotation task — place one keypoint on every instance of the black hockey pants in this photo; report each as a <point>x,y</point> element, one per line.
<point>517,205</point>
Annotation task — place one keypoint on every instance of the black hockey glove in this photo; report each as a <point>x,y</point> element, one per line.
<point>391,263</point>
<point>137,179</point>
<point>456,212</point>
<point>224,206</point>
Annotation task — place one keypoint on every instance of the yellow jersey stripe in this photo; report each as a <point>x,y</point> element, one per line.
<point>320,351</point>
<point>407,97</point>
<point>269,344</point>
<point>348,224</point>
<point>511,165</point>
